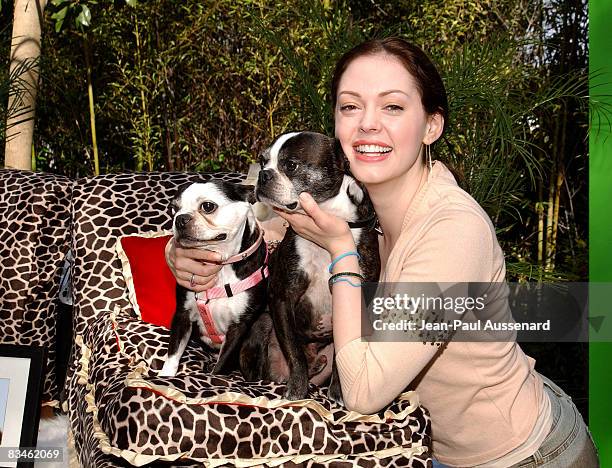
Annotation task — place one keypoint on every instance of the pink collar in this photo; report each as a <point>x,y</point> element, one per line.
<point>247,252</point>
<point>228,290</point>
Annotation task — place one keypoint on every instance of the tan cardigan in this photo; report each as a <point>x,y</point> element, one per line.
<point>484,397</point>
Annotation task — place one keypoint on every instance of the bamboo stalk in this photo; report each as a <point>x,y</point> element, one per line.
<point>559,183</point>
<point>555,151</point>
<point>167,138</point>
<point>549,218</point>
<point>270,100</point>
<point>92,111</point>
<point>540,211</point>
<point>33,157</point>
<point>144,153</point>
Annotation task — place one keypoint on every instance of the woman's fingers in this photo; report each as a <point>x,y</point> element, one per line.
<point>310,206</point>
<point>303,224</point>
<point>325,222</point>
<point>199,284</point>
<point>170,253</point>
<point>196,276</point>
<point>198,254</point>
<point>314,224</point>
<point>192,268</point>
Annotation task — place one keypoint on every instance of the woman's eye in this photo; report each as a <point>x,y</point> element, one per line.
<point>394,108</point>
<point>208,207</point>
<point>348,107</point>
<point>290,166</point>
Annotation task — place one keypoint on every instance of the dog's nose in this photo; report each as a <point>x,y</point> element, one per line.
<point>264,176</point>
<point>182,220</point>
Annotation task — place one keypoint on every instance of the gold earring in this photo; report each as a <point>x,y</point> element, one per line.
<point>428,156</point>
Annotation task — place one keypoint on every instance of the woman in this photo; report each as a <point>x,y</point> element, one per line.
<point>488,405</point>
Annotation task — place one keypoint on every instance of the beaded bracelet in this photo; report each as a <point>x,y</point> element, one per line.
<point>340,277</point>
<point>340,257</point>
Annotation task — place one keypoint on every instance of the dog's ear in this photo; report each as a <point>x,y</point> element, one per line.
<point>175,203</point>
<point>342,160</point>
<point>355,191</point>
<point>243,192</point>
<point>181,189</point>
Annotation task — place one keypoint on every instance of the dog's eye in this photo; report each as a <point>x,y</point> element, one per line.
<point>291,166</point>
<point>208,207</point>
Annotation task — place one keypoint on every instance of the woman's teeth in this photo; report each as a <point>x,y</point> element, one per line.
<point>373,149</point>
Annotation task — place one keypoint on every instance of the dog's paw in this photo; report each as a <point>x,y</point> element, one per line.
<point>335,389</point>
<point>335,394</point>
<point>296,389</point>
<point>168,370</point>
<point>219,370</point>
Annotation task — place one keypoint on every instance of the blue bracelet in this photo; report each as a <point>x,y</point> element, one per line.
<point>340,257</point>
<point>345,280</point>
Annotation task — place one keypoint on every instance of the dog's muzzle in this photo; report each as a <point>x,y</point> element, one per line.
<point>265,191</point>
<point>182,220</point>
<point>264,176</point>
<point>184,232</point>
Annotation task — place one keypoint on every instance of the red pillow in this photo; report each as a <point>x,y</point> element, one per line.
<point>151,285</point>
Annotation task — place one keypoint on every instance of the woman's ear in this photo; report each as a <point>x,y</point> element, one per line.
<point>435,125</point>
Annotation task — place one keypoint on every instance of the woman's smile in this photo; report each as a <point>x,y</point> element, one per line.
<point>371,151</point>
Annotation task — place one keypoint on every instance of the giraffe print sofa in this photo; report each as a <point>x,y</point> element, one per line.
<point>34,239</point>
<point>122,414</point>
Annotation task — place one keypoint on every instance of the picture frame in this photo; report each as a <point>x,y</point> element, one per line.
<point>21,381</point>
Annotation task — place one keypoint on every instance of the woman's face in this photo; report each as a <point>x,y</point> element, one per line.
<point>380,120</point>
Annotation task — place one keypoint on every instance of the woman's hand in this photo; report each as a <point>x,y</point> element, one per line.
<point>324,229</point>
<point>190,267</point>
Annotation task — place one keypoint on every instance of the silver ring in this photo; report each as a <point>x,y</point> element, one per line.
<point>191,281</point>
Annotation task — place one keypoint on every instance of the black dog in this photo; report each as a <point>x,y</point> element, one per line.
<point>299,297</point>
<point>217,216</point>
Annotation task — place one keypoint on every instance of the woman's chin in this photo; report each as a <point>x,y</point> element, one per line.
<point>368,176</point>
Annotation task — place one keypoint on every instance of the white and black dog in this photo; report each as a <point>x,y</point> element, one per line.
<point>217,216</point>
<point>298,295</point>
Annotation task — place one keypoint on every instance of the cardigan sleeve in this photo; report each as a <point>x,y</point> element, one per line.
<point>459,246</point>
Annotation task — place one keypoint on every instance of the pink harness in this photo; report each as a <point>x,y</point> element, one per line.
<point>229,290</point>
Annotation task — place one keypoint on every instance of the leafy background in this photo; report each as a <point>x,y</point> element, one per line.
<point>206,85</point>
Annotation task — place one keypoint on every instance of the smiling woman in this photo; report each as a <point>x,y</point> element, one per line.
<point>389,106</point>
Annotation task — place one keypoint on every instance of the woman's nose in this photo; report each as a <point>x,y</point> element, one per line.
<point>369,120</point>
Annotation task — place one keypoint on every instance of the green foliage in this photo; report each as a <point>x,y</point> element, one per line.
<point>207,85</point>
<point>63,11</point>
<point>328,32</point>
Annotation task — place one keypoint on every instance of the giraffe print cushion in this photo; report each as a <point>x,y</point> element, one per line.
<point>121,413</point>
<point>142,418</point>
<point>34,238</point>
